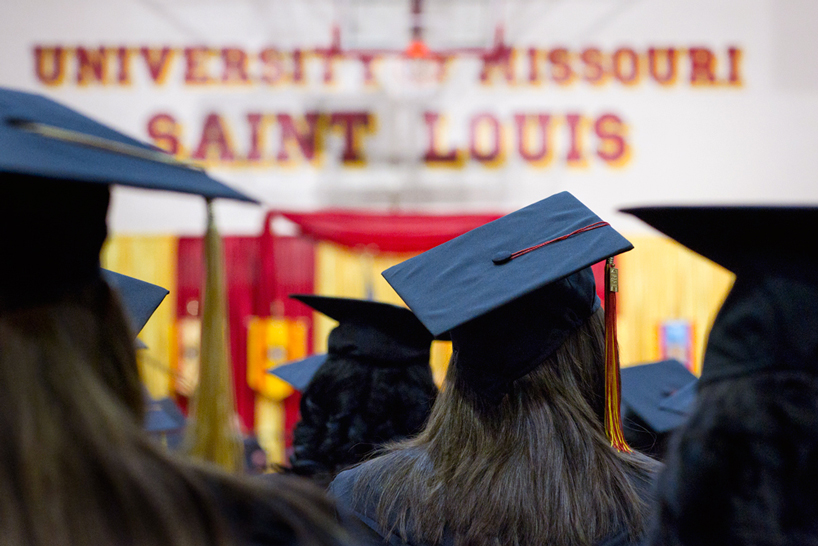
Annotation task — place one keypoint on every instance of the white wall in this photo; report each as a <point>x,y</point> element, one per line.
<point>753,142</point>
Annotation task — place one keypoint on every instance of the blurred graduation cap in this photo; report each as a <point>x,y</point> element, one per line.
<point>382,333</point>
<point>646,387</point>
<point>768,320</point>
<point>510,292</point>
<point>56,166</point>
<point>162,415</point>
<point>681,401</point>
<point>299,373</point>
<point>40,137</point>
<point>140,299</point>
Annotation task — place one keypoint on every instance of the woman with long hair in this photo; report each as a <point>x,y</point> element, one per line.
<point>374,387</point>
<point>76,468</point>
<point>523,445</point>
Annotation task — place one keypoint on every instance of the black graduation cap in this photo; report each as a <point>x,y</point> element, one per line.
<point>139,298</point>
<point>40,137</point>
<point>769,320</point>
<point>681,401</point>
<point>646,387</point>
<point>511,291</point>
<point>56,166</point>
<point>374,331</point>
<point>162,415</point>
<point>299,373</point>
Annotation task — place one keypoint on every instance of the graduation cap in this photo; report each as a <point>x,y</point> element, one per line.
<point>139,298</point>
<point>56,166</point>
<point>646,387</point>
<point>371,331</point>
<point>40,137</point>
<point>681,401</point>
<point>510,292</point>
<point>299,373</point>
<point>768,320</point>
<point>162,415</point>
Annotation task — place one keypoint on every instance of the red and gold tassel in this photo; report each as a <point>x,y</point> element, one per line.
<point>613,421</point>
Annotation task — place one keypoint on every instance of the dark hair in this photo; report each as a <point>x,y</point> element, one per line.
<point>76,466</point>
<point>535,467</point>
<point>743,469</point>
<point>351,408</point>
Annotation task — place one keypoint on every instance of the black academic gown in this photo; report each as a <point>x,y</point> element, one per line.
<point>371,535</point>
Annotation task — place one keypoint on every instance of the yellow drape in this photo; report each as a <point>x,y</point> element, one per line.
<point>356,273</point>
<point>150,258</point>
<point>660,280</point>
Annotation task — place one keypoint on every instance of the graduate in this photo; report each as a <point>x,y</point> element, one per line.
<point>524,444</point>
<point>656,400</point>
<point>372,387</point>
<point>743,468</point>
<point>76,466</point>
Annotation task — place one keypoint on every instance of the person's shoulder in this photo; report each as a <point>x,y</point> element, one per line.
<point>276,510</point>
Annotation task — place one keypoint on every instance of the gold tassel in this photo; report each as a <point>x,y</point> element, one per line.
<point>212,434</point>
<point>613,421</point>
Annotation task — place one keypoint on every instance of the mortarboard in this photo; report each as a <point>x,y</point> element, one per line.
<point>681,401</point>
<point>40,137</point>
<point>768,320</point>
<point>646,387</point>
<point>139,298</point>
<point>372,331</point>
<point>55,166</point>
<point>299,373</point>
<point>162,415</point>
<point>510,292</point>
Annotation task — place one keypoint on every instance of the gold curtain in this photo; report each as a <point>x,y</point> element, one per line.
<point>356,273</point>
<point>150,258</point>
<point>661,280</point>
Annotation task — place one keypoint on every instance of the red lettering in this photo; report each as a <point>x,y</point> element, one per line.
<point>90,65</point>
<point>196,59</point>
<point>734,55</point>
<point>164,131</point>
<point>49,65</point>
<point>432,154</point>
<point>561,71</point>
<point>307,140</point>
<point>123,56</point>
<point>298,66</point>
<point>594,70</point>
<point>272,71</point>
<point>498,58</point>
<point>668,76</point>
<point>626,66</point>
<point>485,125</point>
<point>522,122</point>
<point>366,60</point>
<point>257,124</point>
<point>575,152</point>
<point>235,65</point>
<point>215,141</point>
<point>612,146</point>
<point>533,66</point>
<point>158,62</point>
<point>351,123</point>
<point>701,66</point>
<point>329,63</point>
